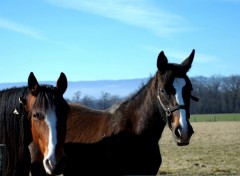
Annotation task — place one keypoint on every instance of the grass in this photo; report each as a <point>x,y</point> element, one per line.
<point>215,117</point>
<point>214,149</point>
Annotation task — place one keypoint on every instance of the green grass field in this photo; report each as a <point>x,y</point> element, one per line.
<point>215,117</point>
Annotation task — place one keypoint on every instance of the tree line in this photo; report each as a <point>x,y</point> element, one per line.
<point>217,94</point>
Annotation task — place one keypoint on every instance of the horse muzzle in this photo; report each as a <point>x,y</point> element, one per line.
<point>182,136</point>
<point>53,168</point>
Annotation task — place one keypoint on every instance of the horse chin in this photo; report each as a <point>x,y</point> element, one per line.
<point>54,171</point>
<point>57,171</point>
<point>182,144</point>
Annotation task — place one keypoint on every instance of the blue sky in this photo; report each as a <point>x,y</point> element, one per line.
<point>116,39</point>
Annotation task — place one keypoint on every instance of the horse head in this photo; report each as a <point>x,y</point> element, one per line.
<point>174,94</point>
<point>47,110</point>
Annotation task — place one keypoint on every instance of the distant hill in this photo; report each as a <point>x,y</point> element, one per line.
<point>94,89</point>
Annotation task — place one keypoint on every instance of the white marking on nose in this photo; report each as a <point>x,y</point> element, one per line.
<point>178,84</point>
<point>51,120</point>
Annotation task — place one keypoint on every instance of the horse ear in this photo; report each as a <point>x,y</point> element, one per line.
<point>33,85</point>
<point>162,62</point>
<point>62,83</point>
<point>187,63</point>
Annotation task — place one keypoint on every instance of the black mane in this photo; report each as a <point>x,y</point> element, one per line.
<point>15,130</point>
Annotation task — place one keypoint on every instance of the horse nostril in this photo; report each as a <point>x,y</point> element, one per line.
<point>50,164</point>
<point>56,168</point>
<point>177,132</point>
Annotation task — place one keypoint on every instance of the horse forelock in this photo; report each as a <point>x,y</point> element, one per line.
<point>173,71</point>
<point>42,102</point>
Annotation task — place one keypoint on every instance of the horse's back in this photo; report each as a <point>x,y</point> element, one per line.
<point>86,125</point>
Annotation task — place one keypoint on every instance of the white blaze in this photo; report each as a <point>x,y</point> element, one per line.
<point>51,120</point>
<point>178,84</point>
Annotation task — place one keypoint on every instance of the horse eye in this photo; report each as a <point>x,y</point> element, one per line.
<point>162,91</point>
<point>36,115</point>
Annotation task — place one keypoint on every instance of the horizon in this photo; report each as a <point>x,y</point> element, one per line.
<point>127,79</point>
<point>94,89</point>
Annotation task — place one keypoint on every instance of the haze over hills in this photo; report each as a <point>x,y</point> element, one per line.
<point>94,89</point>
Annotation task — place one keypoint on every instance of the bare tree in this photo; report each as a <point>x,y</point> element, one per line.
<point>88,101</point>
<point>103,102</point>
<point>76,97</point>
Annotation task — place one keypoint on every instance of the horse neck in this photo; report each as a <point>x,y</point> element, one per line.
<point>141,113</point>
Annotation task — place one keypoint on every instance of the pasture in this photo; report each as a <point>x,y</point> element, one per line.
<point>214,117</point>
<point>213,150</point>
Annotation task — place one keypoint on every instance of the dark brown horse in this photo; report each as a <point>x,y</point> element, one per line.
<point>123,140</point>
<point>35,113</point>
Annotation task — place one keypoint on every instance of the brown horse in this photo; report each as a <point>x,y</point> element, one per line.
<point>123,140</point>
<point>35,113</point>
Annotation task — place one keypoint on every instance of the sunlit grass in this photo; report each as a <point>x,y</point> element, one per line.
<point>214,150</point>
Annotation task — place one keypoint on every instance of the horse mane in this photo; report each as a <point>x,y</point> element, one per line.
<point>137,92</point>
<point>129,98</point>
<point>14,131</point>
<point>135,100</point>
